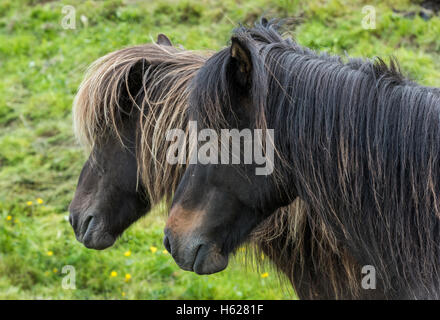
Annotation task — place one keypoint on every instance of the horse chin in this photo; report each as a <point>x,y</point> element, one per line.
<point>99,241</point>
<point>96,238</point>
<point>209,260</point>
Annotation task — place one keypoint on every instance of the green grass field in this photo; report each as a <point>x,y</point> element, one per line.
<point>41,66</point>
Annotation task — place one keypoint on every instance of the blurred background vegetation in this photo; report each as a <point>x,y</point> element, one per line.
<point>41,66</point>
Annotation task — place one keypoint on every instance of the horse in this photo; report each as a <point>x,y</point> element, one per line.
<point>126,102</point>
<point>354,139</point>
<point>123,108</point>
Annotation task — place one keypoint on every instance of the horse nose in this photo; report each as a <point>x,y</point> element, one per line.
<point>73,220</point>
<point>80,224</point>
<point>166,241</point>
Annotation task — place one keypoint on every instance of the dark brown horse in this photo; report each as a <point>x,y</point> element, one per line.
<point>124,107</point>
<point>358,142</point>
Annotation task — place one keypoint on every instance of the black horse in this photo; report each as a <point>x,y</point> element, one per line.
<point>124,106</point>
<point>354,139</point>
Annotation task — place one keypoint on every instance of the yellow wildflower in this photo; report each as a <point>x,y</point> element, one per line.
<point>9,218</point>
<point>127,277</point>
<point>29,203</point>
<point>165,252</point>
<point>49,253</point>
<point>123,293</point>
<point>127,253</point>
<point>40,201</point>
<point>153,249</point>
<point>264,275</point>
<point>55,270</point>
<point>113,274</point>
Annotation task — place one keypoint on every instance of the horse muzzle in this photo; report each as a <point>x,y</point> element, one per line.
<point>90,232</point>
<point>193,254</point>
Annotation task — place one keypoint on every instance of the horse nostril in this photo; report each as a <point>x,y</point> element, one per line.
<point>73,220</point>
<point>85,225</point>
<point>166,243</point>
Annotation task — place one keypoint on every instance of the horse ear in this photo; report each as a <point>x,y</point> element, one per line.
<point>163,40</point>
<point>242,62</point>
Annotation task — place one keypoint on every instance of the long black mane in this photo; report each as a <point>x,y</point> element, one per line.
<point>362,143</point>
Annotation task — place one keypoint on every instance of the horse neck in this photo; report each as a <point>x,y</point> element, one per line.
<point>364,148</point>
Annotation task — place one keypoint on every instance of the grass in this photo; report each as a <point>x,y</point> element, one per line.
<point>41,66</point>
<point>37,242</point>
